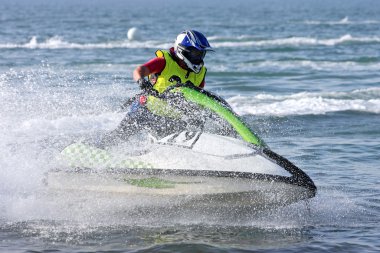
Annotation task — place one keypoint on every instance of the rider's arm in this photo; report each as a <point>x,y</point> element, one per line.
<point>140,72</point>
<point>156,65</point>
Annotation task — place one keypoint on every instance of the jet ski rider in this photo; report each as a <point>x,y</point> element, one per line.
<point>182,63</point>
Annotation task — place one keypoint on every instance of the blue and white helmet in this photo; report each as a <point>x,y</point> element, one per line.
<point>191,47</point>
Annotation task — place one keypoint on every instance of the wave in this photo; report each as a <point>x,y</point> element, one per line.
<point>358,64</point>
<point>299,41</point>
<point>305,103</point>
<point>344,21</point>
<point>57,42</point>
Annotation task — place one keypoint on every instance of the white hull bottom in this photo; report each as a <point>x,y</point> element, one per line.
<point>147,194</point>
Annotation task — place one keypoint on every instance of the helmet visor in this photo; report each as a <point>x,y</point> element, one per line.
<point>194,55</point>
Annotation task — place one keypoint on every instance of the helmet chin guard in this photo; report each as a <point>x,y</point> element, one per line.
<point>191,46</point>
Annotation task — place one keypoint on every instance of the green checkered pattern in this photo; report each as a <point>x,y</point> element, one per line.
<point>85,156</point>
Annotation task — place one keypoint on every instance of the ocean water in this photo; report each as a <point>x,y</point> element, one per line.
<point>305,74</point>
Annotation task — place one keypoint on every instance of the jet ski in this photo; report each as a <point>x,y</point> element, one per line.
<point>217,160</point>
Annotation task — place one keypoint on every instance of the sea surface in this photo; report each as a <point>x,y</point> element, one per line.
<point>304,74</point>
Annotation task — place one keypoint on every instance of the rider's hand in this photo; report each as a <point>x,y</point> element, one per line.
<point>144,84</point>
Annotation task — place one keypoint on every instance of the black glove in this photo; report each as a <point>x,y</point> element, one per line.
<point>144,84</point>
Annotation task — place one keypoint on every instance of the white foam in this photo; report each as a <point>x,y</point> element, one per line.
<point>344,21</point>
<point>58,42</point>
<point>304,103</point>
<point>299,65</point>
<point>70,124</point>
<point>298,41</point>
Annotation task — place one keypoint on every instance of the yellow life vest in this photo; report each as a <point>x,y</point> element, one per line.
<point>173,69</point>
<point>160,107</point>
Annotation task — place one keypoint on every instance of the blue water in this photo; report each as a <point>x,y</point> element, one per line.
<point>305,74</point>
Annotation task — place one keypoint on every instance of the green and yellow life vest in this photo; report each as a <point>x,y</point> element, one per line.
<point>173,69</point>
<point>160,107</point>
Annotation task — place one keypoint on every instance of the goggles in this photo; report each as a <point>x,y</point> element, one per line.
<point>194,55</point>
